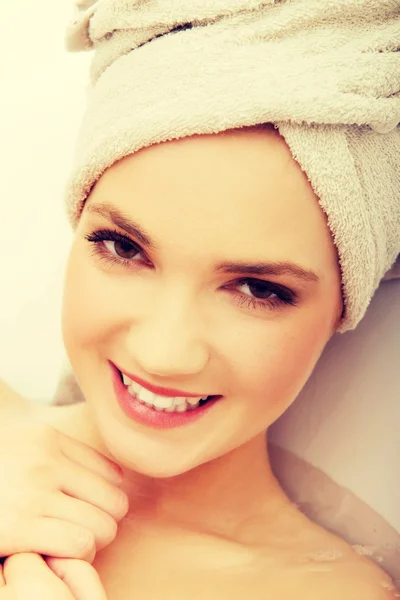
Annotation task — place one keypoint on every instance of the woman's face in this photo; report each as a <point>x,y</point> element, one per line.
<point>167,314</point>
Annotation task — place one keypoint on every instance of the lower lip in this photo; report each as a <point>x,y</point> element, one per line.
<point>147,415</point>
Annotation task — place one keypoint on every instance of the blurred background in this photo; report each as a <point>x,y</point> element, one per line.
<point>43,90</point>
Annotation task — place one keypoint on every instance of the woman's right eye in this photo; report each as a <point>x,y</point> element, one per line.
<point>122,249</point>
<point>113,246</point>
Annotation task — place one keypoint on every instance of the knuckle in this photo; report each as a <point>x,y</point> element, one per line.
<point>108,532</point>
<point>121,504</point>
<point>84,542</point>
<point>110,528</point>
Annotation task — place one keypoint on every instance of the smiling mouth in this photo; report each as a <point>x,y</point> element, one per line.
<point>165,404</point>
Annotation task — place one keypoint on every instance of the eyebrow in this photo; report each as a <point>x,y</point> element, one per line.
<point>123,222</point>
<point>240,267</point>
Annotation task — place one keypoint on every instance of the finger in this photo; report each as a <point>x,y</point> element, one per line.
<point>29,577</point>
<point>87,516</point>
<point>80,577</point>
<point>24,563</point>
<point>92,459</point>
<point>53,537</point>
<point>80,483</point>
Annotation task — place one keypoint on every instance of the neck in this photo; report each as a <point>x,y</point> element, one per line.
<point>225,497</point>
<point>235,497</point>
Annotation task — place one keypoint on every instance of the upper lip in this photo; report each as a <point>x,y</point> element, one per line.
<point>161,391</point>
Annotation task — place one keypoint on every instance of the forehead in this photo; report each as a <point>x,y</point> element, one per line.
<point>239,186</point>
<point>241,164</point>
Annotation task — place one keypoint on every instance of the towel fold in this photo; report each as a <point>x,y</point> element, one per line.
<point>325,72</point>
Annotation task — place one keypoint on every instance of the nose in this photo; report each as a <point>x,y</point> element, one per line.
<point>168,343</point>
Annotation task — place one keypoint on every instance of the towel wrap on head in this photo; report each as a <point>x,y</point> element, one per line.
<point>325,72</point>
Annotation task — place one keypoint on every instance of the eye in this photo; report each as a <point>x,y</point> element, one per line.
<point>264,294</point>
<point>123,249</point>
<point>113,246</point>
<point>258,288</point>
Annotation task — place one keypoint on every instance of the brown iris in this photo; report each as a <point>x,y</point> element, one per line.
<point>125,249</point>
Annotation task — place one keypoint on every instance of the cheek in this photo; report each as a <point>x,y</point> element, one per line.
<point>89,313</point>
<point>276,363</point>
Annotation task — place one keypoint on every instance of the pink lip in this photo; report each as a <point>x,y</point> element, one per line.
<point>149,416</point>
<point>161,391</point>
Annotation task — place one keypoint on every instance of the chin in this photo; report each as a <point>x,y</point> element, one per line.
<point>141,452</point>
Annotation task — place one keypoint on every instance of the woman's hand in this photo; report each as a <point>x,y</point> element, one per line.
<point>58,497</point>
<point>28,577</point>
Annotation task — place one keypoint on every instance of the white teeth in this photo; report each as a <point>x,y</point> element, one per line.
<point>146,395</point>
<point>136,387</point>
<point>193,406</point>
<point>126,380</point>
<point>192,400</point>
<point>161,403</point>
<point>179,400</point>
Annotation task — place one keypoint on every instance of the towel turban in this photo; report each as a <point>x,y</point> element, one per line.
<point>325,72</point>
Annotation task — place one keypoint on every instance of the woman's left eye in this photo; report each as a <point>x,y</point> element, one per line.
<point>261,294</point>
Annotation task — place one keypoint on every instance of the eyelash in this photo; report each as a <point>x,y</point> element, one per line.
<point>283,297</point>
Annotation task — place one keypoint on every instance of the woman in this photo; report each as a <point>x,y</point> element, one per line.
<point>204,504</point>
<point>208,266</point>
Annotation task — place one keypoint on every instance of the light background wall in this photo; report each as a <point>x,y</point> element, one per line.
<point>41,102</point>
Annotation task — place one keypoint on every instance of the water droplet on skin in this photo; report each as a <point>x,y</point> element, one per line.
<point>364,550</point>
<point>388,585</point>
<point>323,555</point>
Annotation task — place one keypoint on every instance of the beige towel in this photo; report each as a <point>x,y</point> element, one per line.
<point>326,72</point>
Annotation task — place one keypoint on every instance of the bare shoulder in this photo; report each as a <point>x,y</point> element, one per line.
<point>350,577</point>
<point>330,568</point>
<point>361,580</point>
